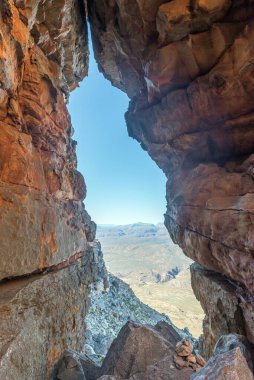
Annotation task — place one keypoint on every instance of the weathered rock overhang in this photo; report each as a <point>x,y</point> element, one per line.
<point>49,257</point>
<point>187,67</point>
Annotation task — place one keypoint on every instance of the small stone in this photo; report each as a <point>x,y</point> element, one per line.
<point>180,362</point>
<point>200,361</point>
<point>191,358</point>
<point>197,368</point>
<point>184,348</point>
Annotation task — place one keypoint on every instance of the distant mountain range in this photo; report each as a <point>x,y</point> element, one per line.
<point>135,229</point>
<point>144,256</point>
<point>141,249</point>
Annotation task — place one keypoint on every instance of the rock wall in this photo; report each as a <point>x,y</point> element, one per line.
<point>48,256</point>
<point>191,110</point>
<point>188,68</point>
<point>228,307</point>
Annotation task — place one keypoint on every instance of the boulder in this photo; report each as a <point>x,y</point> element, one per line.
<point>231,341</point>
<point>75,366</point>
<point>168,332</point>
<point>140,352</point>
<point>69,367</point>
<point>230,365</point>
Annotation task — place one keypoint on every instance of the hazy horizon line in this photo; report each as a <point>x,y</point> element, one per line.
<point>127,224</point>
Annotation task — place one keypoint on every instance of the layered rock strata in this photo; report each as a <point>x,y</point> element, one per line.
<point>188,68</point>
<point>228,308</point>
<point>48,256</point>
<point>41,190</point>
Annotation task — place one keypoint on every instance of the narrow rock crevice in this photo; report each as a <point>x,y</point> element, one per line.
<point>187,69</point>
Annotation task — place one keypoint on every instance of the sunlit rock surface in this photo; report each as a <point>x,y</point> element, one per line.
<point>188,69</point>
<point>48,256</point>
<point>191,109</point>
<point>41,190</point>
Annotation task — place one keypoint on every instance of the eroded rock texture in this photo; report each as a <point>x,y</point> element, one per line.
<point>42,314</point>
<point>45,229</point>
<point>228,308</point>
<point>41,190</point>
<point>139,352</point>
<point>188,68</point>
<point>228,366</point>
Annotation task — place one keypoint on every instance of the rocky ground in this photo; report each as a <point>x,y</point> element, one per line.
<point>144,256</point>
<point>109,312</point>
<point>142,352</point>
<point>174,298</point>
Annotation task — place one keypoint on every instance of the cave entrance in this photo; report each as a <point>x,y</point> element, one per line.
<point>126,198</point>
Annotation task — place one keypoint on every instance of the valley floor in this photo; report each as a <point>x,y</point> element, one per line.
<point>143,255</point>
<point>174,298</point>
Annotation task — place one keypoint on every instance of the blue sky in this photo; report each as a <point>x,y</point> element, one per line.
<point>123,184</point>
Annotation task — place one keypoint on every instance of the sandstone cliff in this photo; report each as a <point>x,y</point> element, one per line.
<point>48,255</point>
<point>188,68</point>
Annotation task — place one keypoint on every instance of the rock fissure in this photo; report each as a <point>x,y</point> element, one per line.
<point>43,271</point>
<point>206,237</point>
<point>187,67</point>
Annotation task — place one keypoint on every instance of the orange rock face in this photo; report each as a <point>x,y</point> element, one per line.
<point>188,69</point>
<point>41,191</point>
<point>45,229</point>
<point>192,110</point>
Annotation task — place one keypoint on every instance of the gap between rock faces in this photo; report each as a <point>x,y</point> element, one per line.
<point>110,310</point>
<point>207,101</point>
<point>200,134</point>
<point>35,47</point>
<point>144,256</point>
<point>139,352</point>
<point>150,353</point>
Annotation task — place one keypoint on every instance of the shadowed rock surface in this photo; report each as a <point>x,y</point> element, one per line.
<point>141,352</point>
<point>228,366</point>
<point>43,314</point>
<point>191,110</point>
<point>231,341</point>
<point>234,311</point>
<point>188,69</point>
<point>48,256</point>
